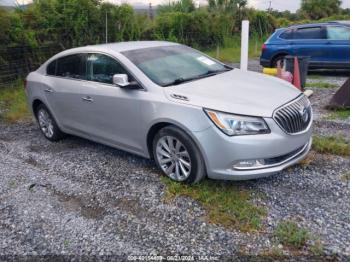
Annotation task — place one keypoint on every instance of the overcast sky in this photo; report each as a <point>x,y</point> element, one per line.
<point>291,5</point>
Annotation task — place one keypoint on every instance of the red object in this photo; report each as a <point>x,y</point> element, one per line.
<point>263,48</point>
<point>296,74</point>
<point>25,84</point>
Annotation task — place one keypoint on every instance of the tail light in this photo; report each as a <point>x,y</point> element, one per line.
<point>263,48</point>
<point>25,83</point>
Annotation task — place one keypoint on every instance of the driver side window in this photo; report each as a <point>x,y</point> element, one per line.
<point>101,68</point>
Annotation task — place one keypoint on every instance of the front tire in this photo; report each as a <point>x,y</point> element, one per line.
<point>47,124</point>
<point>177,155</point>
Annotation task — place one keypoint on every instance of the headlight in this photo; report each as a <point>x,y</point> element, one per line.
<point>235,125</point>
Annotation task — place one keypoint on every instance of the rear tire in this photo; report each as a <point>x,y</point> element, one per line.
<point>276,59</point>
<point>47,124</point>
<point>176,154</point>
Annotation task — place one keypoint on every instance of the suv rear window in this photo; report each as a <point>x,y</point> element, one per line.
<point>338,33</point>
<point>288,34</point>
<point>309,33</point>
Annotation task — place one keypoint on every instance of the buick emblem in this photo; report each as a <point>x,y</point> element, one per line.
<point>304,113</point>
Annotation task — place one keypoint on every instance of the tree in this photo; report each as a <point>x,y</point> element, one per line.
<point>227,5</point>
<point>317,9</point>
<point>183,6</point>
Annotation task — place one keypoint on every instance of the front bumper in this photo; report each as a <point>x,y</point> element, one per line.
<point>281,150</point>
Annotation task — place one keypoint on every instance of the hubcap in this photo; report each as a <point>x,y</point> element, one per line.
<point>45,123</point>
<point>173,158</point>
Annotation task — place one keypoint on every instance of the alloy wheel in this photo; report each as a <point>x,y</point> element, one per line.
<point>173,158</point>
<point>45,123</point>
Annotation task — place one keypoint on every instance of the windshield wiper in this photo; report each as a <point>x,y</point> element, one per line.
<point>206,74</point>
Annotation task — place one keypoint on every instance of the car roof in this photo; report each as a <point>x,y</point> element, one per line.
<point>120,46</point>
<point>346,23</point>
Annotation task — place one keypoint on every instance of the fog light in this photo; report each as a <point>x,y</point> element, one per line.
<point>249,164</point>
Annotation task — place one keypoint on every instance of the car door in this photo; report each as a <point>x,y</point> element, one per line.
<point>111,113</point>
<point>66,76</point>
<point>312,42</point>
<point>338,44</point>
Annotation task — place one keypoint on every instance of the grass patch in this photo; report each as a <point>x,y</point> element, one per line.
<point>231,50</point>
<point>317,248</point>
<point>272,254</point>
<point>331,145</point>
<point>13,103</point>
<point>290,234</point>
<point>339,114</point>
<point>315,77</point>
<point>226,204</point>
<point>308,160</point>
<point>321,85</point>
<point>346,177</point>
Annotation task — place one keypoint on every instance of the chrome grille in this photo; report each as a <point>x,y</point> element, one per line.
<point>295,116</point>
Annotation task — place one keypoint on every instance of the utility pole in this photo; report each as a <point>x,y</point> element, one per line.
<point>270,7</point>
<point>150,11</point>
<point>106,28</point>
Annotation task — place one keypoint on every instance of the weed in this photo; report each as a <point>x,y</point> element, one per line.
<point>226,203</point>
<point>290,234</point>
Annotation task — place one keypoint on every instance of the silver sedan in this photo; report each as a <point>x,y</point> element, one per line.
<point>192,114</point>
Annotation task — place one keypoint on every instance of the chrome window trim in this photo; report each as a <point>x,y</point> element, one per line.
<point>143,88</point>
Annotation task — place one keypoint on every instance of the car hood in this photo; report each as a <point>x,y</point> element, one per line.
<point>236,91</point>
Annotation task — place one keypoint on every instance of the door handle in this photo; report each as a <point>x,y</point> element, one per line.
<point>87,99</point>
<point>48,90</point>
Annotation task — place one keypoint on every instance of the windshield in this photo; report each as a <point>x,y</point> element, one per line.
<point>172,65</point>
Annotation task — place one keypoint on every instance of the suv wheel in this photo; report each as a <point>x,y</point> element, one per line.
<point>279,58</point>
<point>47,123</point>
<point>177,155</point>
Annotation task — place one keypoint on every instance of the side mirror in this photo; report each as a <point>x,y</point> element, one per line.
<point>121,80</point>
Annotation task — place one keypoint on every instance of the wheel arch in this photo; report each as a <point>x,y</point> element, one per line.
<point>35,104</point>
<point>155,127</point>
<point>279,53</point>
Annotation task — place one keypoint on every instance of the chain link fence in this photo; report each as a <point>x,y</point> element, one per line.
<point>17,62</point>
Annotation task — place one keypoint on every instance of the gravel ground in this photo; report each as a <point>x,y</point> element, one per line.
<point>76,197</point>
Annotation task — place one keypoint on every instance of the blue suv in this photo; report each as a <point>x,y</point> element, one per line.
<point>327,45</point>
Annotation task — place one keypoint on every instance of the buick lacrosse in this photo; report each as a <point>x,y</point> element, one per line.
<point>192,114</point>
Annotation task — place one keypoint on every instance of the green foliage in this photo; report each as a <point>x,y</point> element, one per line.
<point>226,203</point>
<point>227,6</point>
<point>317,9</point>
<point>262,23</point>
<point>183,6</point>
<point>290,234</point>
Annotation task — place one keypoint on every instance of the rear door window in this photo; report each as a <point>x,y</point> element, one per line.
<point>101,68</point>
<point>51,68</point>
<point>309,33</point>
<point>338,33</point>
<point>72,66</point>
